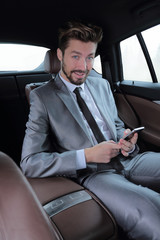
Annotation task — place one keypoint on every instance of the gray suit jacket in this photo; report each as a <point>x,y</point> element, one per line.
<point>55,129</point>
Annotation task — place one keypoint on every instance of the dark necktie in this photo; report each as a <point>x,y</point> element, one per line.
<point>90,119</point>
<point>115,163</point>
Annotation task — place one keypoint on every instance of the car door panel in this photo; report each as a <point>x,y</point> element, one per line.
<point>125,111</point>
<point>138,105</point>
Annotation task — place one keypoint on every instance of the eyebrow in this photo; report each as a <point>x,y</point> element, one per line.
<point>76,52</point>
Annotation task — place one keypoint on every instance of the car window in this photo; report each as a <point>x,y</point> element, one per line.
<point>152,40</point>
<point>97,64</point>
<point>134,62</point>
<point>19,57</point>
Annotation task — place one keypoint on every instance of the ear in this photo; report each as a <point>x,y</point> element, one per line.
<point>59,54</point>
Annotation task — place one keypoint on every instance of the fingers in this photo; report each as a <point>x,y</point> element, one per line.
<point>127,131</point>
<point>133,140</point>
<point>124,153</point>
<point>102,152</point>
<point>113,149</point>
<point>128,145</point>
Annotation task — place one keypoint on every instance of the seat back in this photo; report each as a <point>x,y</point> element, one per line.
<point>52,65</point>
<point>21,215</point>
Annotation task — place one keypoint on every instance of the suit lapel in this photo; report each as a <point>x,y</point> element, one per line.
<point>64,94</point>
<point>102,107</point>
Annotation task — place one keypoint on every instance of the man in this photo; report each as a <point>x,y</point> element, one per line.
<point>60,140</point>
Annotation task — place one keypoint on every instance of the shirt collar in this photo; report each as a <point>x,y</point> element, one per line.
<point>70,85</point>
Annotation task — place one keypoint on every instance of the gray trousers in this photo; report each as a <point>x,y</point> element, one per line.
<point>132,196</point>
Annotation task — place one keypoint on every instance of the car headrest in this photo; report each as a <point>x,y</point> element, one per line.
<point>52,64</point>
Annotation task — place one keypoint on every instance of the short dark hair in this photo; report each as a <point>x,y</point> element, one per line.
<point>79,31</point>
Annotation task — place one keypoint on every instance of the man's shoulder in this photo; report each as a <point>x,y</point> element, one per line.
<point>43,87</point>
<point>97,81</point>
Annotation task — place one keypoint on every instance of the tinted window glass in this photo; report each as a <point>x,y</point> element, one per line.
<point>97,64</point>
<point>134,63</point>
<point>16,57</point>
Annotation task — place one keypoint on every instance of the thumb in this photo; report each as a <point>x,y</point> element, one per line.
<point>127,131</point>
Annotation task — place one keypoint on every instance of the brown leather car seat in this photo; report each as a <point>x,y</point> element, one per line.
<point>21,214</point>
<point>51,65</point>
<point>23,217</point>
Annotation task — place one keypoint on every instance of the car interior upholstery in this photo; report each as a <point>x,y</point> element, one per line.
<point>58,217</point>
<point>51,65</point>
<point>22,215</point>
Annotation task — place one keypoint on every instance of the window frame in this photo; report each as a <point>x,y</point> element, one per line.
<point>146,56</point>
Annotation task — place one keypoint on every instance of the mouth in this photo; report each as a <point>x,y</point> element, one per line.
<point>80,73</point>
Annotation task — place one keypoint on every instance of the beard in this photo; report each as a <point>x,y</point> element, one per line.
<point>79,80</point>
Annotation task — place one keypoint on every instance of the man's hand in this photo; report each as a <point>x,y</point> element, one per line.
<point>102,152</point>
<point>128,145</point>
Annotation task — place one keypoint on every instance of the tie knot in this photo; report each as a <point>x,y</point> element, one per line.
<point>77,90</point>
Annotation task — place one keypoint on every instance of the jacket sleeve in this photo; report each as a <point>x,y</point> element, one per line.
<point>39,154</point>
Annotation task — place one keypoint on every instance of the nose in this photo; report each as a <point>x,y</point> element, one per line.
<point>82,65</point>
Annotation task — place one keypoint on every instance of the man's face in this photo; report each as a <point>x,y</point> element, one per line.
<point>77,60</point>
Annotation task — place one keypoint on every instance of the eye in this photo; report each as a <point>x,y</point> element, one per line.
<point>90,58</point>
<point>75,57</point>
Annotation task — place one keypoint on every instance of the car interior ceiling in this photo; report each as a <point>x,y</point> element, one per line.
<point>37,24</point>
<point>119,19</point>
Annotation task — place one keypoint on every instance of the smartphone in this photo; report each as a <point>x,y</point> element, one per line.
<point>130,135</point>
